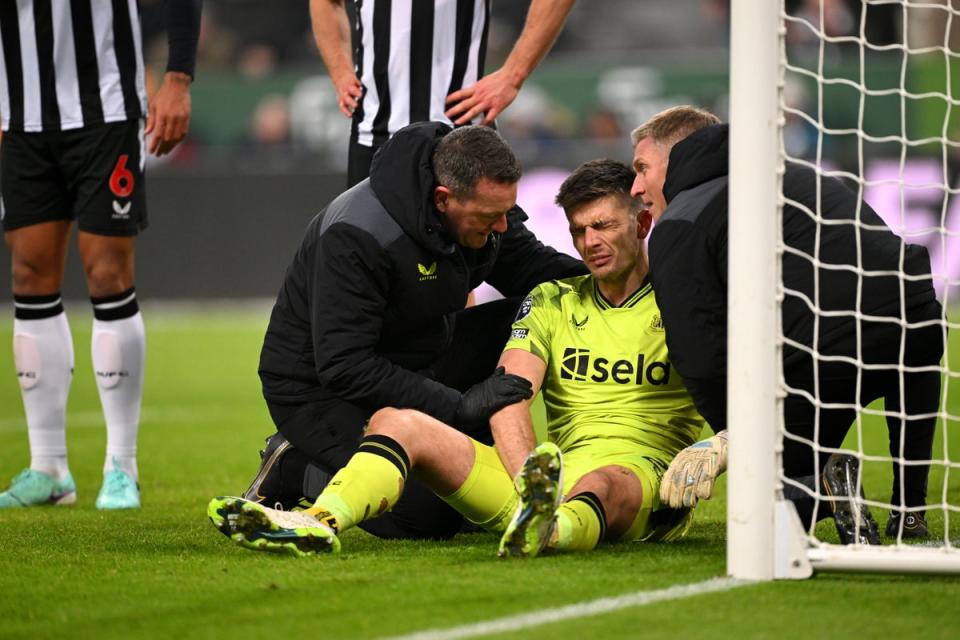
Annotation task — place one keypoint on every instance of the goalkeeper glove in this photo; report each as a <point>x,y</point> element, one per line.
<point>692,473</point>
<point>484,399</point>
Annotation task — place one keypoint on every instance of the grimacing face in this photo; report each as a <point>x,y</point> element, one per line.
<point>650,163</point>
<point>609,237</point>
<point>472,220</point>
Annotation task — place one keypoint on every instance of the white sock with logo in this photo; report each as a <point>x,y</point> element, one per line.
<point>118,351</point>
<point>43,354</point>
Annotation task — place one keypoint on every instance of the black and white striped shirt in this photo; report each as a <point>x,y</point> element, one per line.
<point>411,55</point>
<point>66,64</point>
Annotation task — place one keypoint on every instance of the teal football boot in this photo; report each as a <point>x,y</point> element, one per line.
<point>119,491</point>
<point>33,487</point>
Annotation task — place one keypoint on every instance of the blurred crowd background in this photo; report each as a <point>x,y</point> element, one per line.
<point>267,146</point>
<point>263,102</point>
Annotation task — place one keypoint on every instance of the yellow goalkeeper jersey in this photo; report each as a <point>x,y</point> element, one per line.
<point>608,371</point>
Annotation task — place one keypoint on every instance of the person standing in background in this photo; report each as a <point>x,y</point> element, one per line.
<point>73,103</point>
<point>405,61</point>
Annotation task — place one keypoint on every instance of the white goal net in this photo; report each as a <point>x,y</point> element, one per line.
<point>844,433</point>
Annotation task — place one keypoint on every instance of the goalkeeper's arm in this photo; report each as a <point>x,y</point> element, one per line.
<point>512,426</point>
<point>693,472</point>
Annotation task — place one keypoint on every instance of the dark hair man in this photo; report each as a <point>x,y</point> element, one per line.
<point>371,311</point>
<point>681,160</point>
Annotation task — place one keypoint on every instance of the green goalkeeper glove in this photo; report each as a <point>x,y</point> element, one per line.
<point>692,473</point>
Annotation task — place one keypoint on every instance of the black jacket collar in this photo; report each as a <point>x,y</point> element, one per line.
<point>401,175</point>
<point>698,158</point>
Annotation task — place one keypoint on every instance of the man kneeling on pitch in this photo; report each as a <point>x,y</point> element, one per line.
<point>615,414</point>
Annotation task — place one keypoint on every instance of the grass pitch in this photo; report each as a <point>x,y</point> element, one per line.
<point>164,571</point>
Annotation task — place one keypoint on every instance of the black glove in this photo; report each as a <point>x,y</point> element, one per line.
<point>485,398</point>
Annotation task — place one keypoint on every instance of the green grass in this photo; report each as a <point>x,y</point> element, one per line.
<point>165,572</point>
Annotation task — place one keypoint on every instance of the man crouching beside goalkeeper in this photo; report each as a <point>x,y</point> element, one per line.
<point>616,414</point>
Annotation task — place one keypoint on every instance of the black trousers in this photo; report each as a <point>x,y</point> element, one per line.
<point>325,434</point>
<point>915,393</point>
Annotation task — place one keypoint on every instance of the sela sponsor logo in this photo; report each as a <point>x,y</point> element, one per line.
<point>427,273</point>
<point>580,364</point>
<point>121,211</point>
<point>525,307</point>
<point>578,324</point>
<point>518,334</point>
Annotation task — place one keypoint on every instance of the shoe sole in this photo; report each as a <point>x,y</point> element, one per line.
<point>253,491</point>
<point>839,479</point>
<point>541,479</point>
<point>57,501</point>
<point>248,525</point>
<point>118,507</point>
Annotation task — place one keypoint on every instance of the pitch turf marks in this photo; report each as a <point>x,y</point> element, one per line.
<point>580,610</point>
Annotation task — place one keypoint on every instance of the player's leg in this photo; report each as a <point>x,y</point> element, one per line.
<point>918,394</point>
<point>36,211</point>
<point>402,444</point>
<point>298,461</point>
<point>321,435</point>
<point>111,210</point>
<point>398,444</point>
<point>610,493</point>
<point>835,477</point>
<point>603,504</point>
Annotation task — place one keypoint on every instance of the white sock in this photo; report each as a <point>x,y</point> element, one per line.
<point>118,349</point>
<point>43,353</point>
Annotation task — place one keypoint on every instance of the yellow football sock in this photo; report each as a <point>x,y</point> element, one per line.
<point>581,523</point>
<point>487,497</point>
<point>367,487</point>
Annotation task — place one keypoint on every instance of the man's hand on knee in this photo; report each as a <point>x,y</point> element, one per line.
<point>693,472</point>
<point>485,398</point>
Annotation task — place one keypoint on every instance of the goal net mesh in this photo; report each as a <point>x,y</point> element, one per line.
<point>868,99</point>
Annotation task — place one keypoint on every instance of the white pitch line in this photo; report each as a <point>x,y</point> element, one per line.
<point>580,610</point>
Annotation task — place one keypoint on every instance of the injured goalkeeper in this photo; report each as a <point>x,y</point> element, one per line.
<point>594,346</point>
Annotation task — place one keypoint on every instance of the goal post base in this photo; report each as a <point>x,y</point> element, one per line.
<point>790,545</point>
<point>888,559</point>
<point>797,557</point>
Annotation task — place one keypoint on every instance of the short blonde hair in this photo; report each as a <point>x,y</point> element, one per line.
<point>669,127</point>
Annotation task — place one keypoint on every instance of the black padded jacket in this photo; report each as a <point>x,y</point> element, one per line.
<point>367,303</point>
<point>688,266</point>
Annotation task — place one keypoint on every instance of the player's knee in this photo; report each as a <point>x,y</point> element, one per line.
<point>106,278</point>
<point>390,421</point>
<point>619,490</point>
<point>36,277</point>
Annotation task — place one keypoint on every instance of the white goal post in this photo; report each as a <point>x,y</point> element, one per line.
<point>765,538</point>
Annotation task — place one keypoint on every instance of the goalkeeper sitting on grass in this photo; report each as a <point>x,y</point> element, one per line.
<point>616,414</point>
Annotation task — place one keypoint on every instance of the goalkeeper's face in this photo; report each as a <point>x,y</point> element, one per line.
<point>608,234</point>
<point>650,163</point>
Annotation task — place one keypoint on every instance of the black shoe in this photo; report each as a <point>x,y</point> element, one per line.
<point>914,526</point>
<point>852,517</point>
<point>267,486</point>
